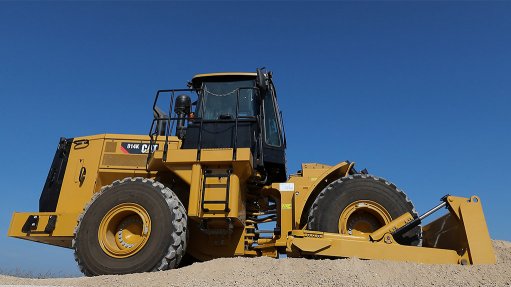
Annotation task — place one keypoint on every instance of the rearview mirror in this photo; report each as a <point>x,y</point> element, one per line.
<point>262,80</point>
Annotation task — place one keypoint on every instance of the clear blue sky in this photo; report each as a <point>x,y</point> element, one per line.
<point>418,93</point>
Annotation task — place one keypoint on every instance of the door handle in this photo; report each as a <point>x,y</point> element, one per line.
<point>81,176</point>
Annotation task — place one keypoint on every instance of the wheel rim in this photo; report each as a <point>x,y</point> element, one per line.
<point>124,230</point>
<point>363,217</point>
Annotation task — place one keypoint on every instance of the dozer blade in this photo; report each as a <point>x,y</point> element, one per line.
<point>462,229</point>
<point>459,237</point>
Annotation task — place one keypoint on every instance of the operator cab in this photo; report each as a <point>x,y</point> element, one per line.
<point>224,101</point>
<point>219,94</point>
<point>234,110</point>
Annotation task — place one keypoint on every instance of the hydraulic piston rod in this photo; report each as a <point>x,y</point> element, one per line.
<point>418,220</point>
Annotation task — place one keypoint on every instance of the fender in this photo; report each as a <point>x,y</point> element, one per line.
<point>312,180</point>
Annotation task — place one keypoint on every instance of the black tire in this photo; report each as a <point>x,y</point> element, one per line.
<point>326,210</point>
<point>165,245</point>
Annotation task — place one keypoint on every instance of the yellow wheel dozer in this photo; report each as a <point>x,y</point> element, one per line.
<point>210,181</point>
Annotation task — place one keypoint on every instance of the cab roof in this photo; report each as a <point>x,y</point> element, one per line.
<point>199,78</point>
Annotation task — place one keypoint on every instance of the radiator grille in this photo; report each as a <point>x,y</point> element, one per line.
<point>131,160</point>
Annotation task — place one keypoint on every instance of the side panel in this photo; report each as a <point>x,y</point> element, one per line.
<point>96,161</point>
<point>124,156</point>
<point>81,173</point>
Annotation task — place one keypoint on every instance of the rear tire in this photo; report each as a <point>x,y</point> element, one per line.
<point>133,225</point>
<point>360,204</point>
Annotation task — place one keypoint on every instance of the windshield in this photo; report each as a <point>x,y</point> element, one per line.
<point>220,99</point>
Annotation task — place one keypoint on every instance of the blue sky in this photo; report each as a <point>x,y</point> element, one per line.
<point>416,92</point>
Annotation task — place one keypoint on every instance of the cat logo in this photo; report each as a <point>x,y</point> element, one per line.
<point>138,148</point>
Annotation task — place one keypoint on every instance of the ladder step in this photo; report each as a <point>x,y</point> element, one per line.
<point>264,231</point>
<point>227,209</point>
<point>227,175</point>
<point>215,201</point>
<point>216,175</point>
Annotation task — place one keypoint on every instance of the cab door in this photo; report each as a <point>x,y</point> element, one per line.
<point>274,144</point>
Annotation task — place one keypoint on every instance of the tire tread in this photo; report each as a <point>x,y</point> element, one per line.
<point>175,251</point>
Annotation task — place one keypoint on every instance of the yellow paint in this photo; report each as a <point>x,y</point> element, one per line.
<point>464,240</point>
<point>229,232</point>
<point>359,218</point>
<point>224,74</point>
<point>124,230</point>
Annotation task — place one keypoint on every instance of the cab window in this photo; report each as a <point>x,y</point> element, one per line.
<point>219,99</point>
<point>271,125</point>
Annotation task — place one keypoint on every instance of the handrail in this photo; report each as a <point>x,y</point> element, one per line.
<point>171,119</point>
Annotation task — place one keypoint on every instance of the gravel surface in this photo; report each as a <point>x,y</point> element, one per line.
<point>293,272</point>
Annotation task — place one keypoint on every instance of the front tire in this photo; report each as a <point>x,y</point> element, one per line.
<point>359,205</point>
<point>133,225</point>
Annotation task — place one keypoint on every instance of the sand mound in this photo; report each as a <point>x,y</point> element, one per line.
<point>294,271</point>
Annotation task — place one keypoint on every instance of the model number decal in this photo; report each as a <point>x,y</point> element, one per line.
<point>287,186</point>
<point>137,148</point>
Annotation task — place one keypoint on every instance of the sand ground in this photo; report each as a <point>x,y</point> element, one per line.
<point>303,272</point>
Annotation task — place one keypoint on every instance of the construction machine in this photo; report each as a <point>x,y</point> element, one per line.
<point>210,181</point>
